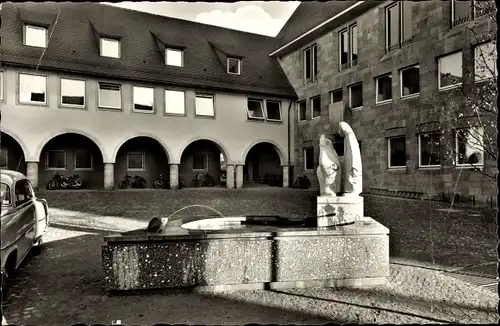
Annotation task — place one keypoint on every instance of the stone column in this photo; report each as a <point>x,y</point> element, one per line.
<point>285,176</point>
<point>174,176</point>
<point>239,176</point>
<point>32,173</point>
<point>109,176</point>
<point>230,176</point>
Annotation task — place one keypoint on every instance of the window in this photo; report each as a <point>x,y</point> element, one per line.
<point>410,81</point>
<point>301,108</point>
<point>5,194</point>
<point>144,98</point>
<point>310,63</point>
<point>55,160</point>
<point>82,160</point>
<point>469,146</point>
<point>174,57</point>
<point>233,66</point>
<point>384,89</point>
<point>336,96</point>
<point>4,158</point>
<point>356,96</point>
<point>175,102</point>
<point>485,65</point>
<point>348,47</point>
<point>308,158</point>
<point>24,192</point>
<point>135,161</point>
<point>110,96</point>
<point>273,110</point>
<point>429,149</point>
<point>398,25</point>
<point>460,12</point>
<point>35,36</point>
<point>1,85</point>
<point>205,105</point>
<point>254,109</point>
<point>72,92</point>
<point>32,89</point>
<point>397,152</point>
<point>200,162</point>
<point>110,48</point>
<point>315,107</point>
<point>450,70</point>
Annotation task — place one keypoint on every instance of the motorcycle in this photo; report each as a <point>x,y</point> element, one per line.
<point>60,181</point>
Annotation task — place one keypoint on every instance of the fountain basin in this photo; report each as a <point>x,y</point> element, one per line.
<point>227,254</point>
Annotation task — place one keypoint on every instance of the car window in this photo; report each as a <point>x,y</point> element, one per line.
<point>5,194</point>
<point>23,192</point>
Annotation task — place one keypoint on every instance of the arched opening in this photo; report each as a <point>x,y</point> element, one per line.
<point>202,160</point>
<point>11,154</point>
<point>263,166</point>
<point>70,154</point>
<point>141,156</point>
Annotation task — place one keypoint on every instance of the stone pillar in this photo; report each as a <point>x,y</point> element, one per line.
<point>230,176</point>
<point>239,176</point>
<point>109,176</point>
<point>32,173</point>
<point>174,176</point>
<point>286,175</point>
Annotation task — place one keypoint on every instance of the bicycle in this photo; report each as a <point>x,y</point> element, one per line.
<point>139,182</point>
<point>126,183</point>
<point>202,180</point>
<point>160,182</point>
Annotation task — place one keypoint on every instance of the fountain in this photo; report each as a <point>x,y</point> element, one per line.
<point>340,247</point>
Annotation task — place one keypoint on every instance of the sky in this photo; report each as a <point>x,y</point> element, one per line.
<point>260,17</point>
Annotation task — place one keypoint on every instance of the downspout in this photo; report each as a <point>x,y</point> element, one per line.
<point>289,147</point>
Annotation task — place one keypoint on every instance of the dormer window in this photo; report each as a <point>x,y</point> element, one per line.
<point>233,66</point>
<point>110,48</point>
<point>35,36</point>
<point>174,57</point>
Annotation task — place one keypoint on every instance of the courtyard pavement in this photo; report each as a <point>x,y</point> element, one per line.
<point>64,284</point>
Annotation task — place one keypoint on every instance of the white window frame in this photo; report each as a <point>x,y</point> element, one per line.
<point>205,160</point>
<point>239,65</point>
<point>305,158</point>
<point>152,111</point>
<point>183,104</point>
<point>279,108</point>
<point>401,82</point>
<point>1,85</point>
<point>313,50</point>
<point>205,95</point>
<point>312,108</point>
<point>47,160</point>
<point>32,102</point>
<point>91,168</point>
<point>477,48</point>
<point>143,158</point>
<point>336,91</point>
<point>115,40</point>
<point>471,12</point>
<point>345,30</point>
<point>174,50</point>
<point>261,107</point>
<point>27,26</point>
<point>390,166</point>
<point>439,71</point>
<point>298,110</point>
<point>99,96</point>
<point>420,152</point>
<point>350,97</point>
<point>61,94</point>
<point>469,165</point>
<point>376,89</point>
<point>6,151</point>
<point>387,45</point>
<point>351,36</point>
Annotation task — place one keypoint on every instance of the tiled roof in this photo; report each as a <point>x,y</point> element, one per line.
<point>74,47</point>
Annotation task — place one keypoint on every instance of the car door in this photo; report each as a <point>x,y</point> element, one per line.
<point>25,217</point>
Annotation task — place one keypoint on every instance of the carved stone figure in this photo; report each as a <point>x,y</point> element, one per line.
<point>329,171</point>
<point>352,170</point>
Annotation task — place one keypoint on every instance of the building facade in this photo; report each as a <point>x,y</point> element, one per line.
<point>380,66</point>
<point>103,98</point>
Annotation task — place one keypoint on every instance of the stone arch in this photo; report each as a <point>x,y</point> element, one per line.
<point>13,153</point>
<point>19,141</point>
<point>221,147</point>
<point>279,150</point>
<point>145,135</point>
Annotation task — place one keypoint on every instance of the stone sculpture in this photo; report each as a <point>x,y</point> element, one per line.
<point>329,171</point>
<point>339,176</point>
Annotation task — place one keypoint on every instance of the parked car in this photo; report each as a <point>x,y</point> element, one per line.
<point>24,221</point>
